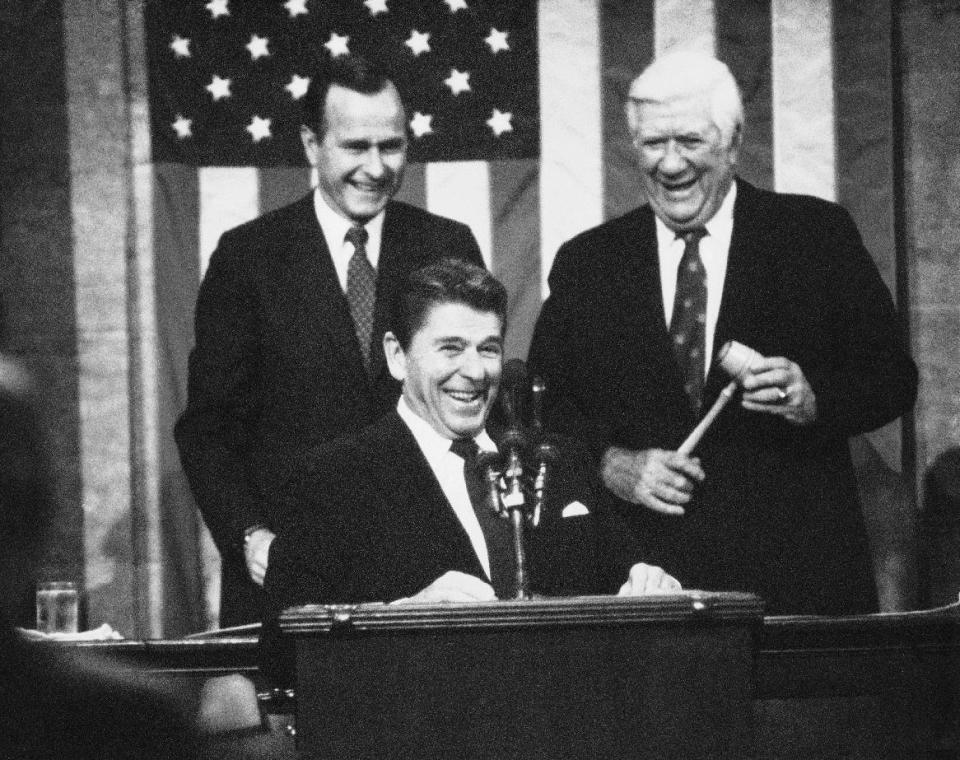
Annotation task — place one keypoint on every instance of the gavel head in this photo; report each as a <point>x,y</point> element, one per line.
<point>737,359</point>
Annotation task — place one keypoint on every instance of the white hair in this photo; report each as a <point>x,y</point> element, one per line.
<point>686,74</point>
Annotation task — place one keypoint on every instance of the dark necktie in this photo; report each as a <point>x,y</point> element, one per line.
<point>497,531</point>
<point>361,290</point>
<point>688,325</point>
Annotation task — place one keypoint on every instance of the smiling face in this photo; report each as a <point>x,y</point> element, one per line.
<point>687,165</point>
<point>362,153</point>
<point>451,369</point>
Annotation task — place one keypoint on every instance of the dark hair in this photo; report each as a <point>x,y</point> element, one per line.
<point>447,281</point>
<point>353,72</point>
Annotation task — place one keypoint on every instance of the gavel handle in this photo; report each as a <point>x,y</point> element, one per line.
<point>697,433</point>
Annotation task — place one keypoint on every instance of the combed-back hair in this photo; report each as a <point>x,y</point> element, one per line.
<point>687,73</point>
<point>447,281</point>
<point>354,72</point>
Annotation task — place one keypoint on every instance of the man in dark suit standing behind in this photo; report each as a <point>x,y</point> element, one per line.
<point>767,503</point>
<point>290,318</point>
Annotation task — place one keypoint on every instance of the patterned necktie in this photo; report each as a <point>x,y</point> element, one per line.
<point>497,532</point>
<point>688,325</point>
<point>361,290</point>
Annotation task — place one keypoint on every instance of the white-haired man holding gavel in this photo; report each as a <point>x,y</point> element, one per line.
<point>767,502</point>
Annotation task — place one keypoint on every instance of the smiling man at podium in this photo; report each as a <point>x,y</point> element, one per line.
<point>403,510</point>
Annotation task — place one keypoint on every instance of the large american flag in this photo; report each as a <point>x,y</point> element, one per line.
<point>516,128</point>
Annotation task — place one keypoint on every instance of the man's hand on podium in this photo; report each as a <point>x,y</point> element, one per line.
<point>453,586</point>
<point>648,579</point>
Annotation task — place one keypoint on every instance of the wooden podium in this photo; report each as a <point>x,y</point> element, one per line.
<point>583,677</point>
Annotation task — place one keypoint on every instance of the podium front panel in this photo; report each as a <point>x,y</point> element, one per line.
<point>594,677</point>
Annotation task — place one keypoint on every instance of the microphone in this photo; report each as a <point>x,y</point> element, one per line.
<point>487,465</point>
<point>545,454</point>
<point>514,387</point>
<point>512,445</point>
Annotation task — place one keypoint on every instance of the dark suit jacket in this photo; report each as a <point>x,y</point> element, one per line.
<point>374,525</point>
<point>277,368</point>
<point>778,514</point>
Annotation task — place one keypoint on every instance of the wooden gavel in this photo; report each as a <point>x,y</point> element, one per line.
<point>736,360</point>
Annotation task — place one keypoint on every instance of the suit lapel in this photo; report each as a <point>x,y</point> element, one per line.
<point>642,304</point>
<point>409,484</point>
<point>390,274</point>
<point>745,283</point>
<point>322,305</point>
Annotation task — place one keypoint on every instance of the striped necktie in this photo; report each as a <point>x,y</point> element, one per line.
<point>361,290</point>
<point>688,325</point>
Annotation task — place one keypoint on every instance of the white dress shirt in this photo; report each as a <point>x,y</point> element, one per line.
<point>335,227</point>
<point>714,252</point>
<point>448,469</point>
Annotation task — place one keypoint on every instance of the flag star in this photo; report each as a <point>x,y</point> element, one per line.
<point>420,124</point>
<point>497,41</point>
<point>499,122</point>
<point>259,128</point>
<point>183,127</point>
<point>257,47</point>
<point>180,46</point>
<point>456,5</point>
<point>418,42</point>
<point>337,45</point>
<point>297,86</point>
<point>218,8</point>
<point>219,88</point>
<point>296,7</point>
<point>376,6</point>
<point>458,81</point>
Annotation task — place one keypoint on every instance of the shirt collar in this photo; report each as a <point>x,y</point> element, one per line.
<point>719,227</point>
<point>335,226</point>
<point>430,441</point>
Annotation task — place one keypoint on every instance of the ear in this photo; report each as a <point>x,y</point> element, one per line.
<point>396,358</point>
<point>736,140</point>
<point>631,109</point>
<point>311,145</point>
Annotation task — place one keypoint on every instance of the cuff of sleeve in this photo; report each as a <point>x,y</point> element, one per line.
<point>249,531</point>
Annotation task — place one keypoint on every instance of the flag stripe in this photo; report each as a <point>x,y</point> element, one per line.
<point>176,241</point>
<point>803,125</point>
<point>461,190</point>
<point>515,207</point>
<point>414,187</point>
<point>627,45</point>
<point>571,171</point>
<point>228,197</point>
<point>744,44</point>
<point>280,185</point>
<point>683,23</point>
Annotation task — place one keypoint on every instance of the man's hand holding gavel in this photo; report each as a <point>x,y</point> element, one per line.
<point>663,480</point>
<point>658,479</point>
<point>776,385</point>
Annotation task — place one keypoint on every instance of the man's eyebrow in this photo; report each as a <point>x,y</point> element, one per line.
<point>362,142</point>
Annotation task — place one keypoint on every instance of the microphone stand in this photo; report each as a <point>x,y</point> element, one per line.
<point>514,502</point>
